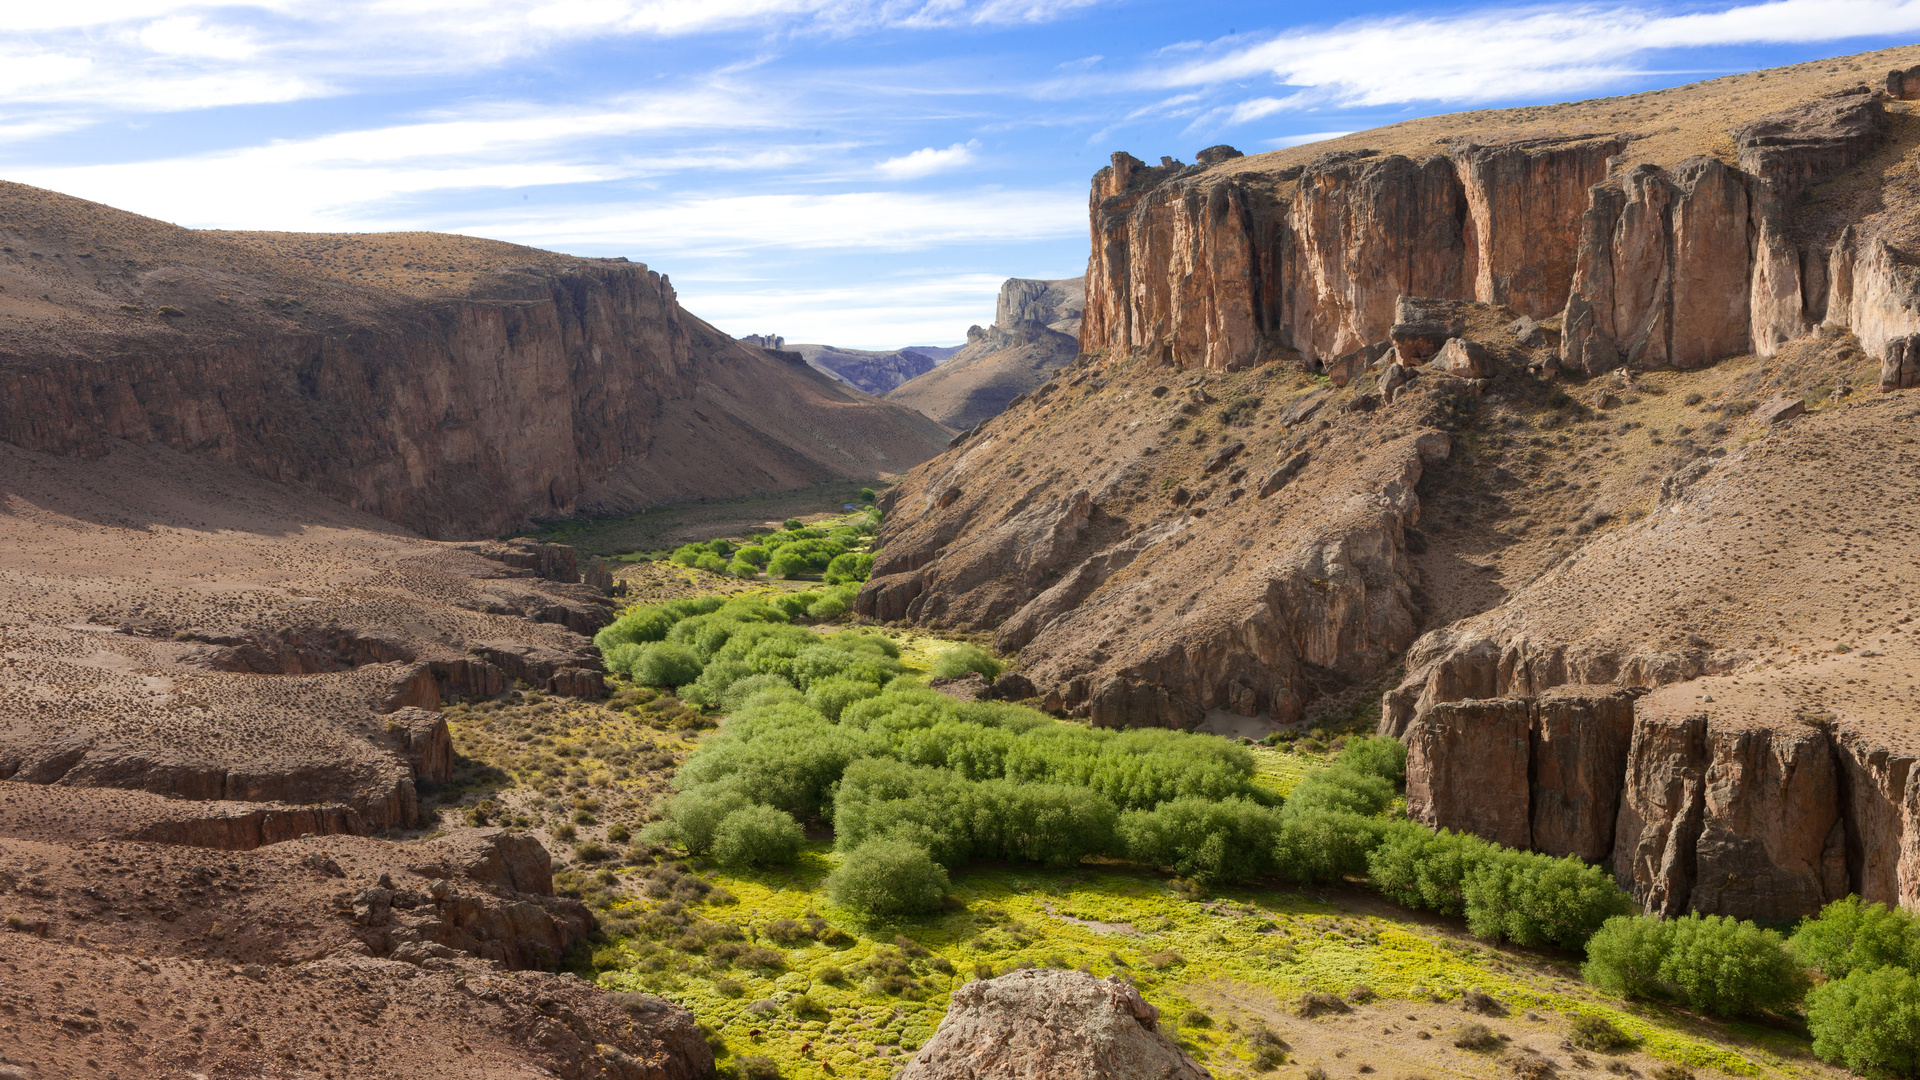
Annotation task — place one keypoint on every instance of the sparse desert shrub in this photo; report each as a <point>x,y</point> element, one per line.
<point>1599,1034</point>
<point>1269,1049</point>
<point>1869,1021</point>
<point>1319,1004</point>
<point>757,836</point>
<point>1670,1071</point>
<point>592,851</point>
<point>170,311</point>
<point>888,877</point>
<point>1195,1018</point>
<point>1476,1037</point>
<point>1479,1001</point>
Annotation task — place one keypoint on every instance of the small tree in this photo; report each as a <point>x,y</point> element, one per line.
<point>1849,936</point>
<point>794,524</point>
<point>1869,1021</point>
<point>663,663</point>
<point>1625,956</point>
<point>866,495</point>
<point>1730,967</point>
<point>757,836</point>
<point>888,877</point>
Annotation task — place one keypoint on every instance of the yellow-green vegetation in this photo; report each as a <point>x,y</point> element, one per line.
<point>664,527</point>
<point>821,993</point>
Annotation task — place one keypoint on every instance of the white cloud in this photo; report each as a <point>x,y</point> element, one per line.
<point>1285,141</point>
<point>734,224</point>
<point>885,314</point>
<point>1500,53</point>
<point>927,161</point>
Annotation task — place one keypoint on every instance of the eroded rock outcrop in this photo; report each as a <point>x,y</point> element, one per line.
<point>1062,1025</point>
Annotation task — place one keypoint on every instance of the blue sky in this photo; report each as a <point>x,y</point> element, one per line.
<point>856,172</point>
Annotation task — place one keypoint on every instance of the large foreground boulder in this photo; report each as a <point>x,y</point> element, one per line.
<point>1050,1025</point>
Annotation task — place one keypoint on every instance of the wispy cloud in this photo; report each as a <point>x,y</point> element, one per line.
<point>927,161</point>
<point>1505,53</point>
<point>735,224</point>
<point>920,309</point>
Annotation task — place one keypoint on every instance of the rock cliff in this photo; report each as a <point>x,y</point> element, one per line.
<point>1035,332</point>
<point>459,387</point>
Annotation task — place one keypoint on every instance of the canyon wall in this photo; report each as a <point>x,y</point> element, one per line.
<point>535,390</point>
<point>1205,266</point>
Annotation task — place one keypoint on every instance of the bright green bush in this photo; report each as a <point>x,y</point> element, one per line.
<point>785,565</point>
<point>956,819</point>
<point>888,877</point>
<point>1225,840</point>
<point>850,566</point>
<point>735,696</point>
<point>1533,899</point>
<point>1342,790</point>
<point>1730,967</point>
<point>866,495</point>
<point>1379,755</point>
<point>722,548</point>
<point>740,568</point>
<point>663,663</point>
<point>794,524</point>
<point>757,836</point>
<point>692,819</point>
<point>1419,868</point>
<point>1624,956</point>
<point>713,564</point>
<point>1849,936</point>
<point>963,659</point>
<point>753,553</point>
<point>831,695</point>
<point>827,607</point>
<point>1316,845</point>
<point>1869,1021</point>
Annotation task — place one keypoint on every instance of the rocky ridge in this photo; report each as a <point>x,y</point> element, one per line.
<point>1035,332</point>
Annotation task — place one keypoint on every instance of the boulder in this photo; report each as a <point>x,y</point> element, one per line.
<point>1779,410</point>
<point>1284,474</point>
<point>1900,370</point>
<point>1222,457</point>
<point>1061,1025</point>
<point>1903,84</point>
<point>1421,328</point>
<point>1466,358</point>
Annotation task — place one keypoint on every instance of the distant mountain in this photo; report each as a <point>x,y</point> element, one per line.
<point>1035,332</point>
<point>874,372</point>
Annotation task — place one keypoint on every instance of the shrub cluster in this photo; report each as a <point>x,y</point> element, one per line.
<point>1710,963</point>
<point>790,551</point>
<point>710,643</point>
<point>1506,895</point>
<point>1867,1015</point>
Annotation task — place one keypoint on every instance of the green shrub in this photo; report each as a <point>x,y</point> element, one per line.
<point>1730,967</point>
<point>888,877</point>
<point>754,554</point>
<point>757,836</point>
<point>692,819</point>
<point>963,659</point>
<point>1625,955</point>
<point>794,524</point>
<point>1342,790</point>
<point>740,568</point>
<point>1869,1021</point>
<point>663,663</point>
<point>722,548</point>
<point>1325,845</point>
<point>1533,899</point>
<point>1420,868</point>
<point>735,696</point>
<point>1849,936</point>
<point>866,495</point>
<point>788,565</point>
<point>713,564</point>
<point>833,694</point>
<point>1380,756</point>
<point>850,566</point>
<point>827,607</point>
<point>1227,840</point>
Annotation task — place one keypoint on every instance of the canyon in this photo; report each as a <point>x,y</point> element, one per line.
<point>1568,442</point>
<point>1035,332</point>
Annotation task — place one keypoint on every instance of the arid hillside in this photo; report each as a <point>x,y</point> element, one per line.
<point>1502,409</point>
<point>1035,332</point>
<point>460,387</point>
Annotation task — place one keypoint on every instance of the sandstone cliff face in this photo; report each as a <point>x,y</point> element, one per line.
<point>543,387</point>
<point>1655,264</point>
<point>1218,270</point>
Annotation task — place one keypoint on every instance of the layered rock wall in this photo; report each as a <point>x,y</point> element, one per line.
<point>1654,266</point>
